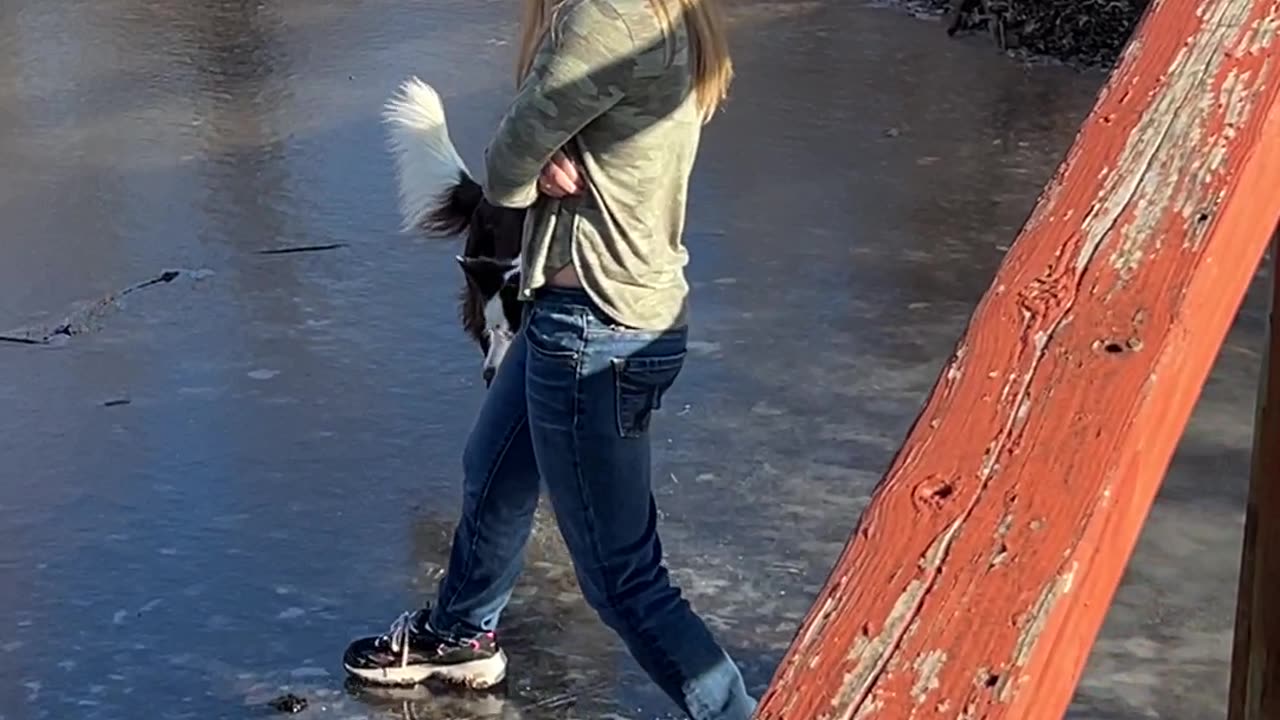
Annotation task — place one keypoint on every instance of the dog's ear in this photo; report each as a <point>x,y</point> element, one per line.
<point>487,274</point>
<point>473,265</point>
<point>486,265</point>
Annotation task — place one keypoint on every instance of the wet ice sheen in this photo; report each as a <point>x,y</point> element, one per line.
<point>285,475</point>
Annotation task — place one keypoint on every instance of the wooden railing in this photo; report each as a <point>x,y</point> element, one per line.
<point>1255,664</point>
<point>978,577</point>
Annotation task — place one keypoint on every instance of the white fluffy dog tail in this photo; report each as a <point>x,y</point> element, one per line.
<point>427,163</point>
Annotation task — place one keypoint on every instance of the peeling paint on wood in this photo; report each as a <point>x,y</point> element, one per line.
<point>1002,528</point>
<point>1030,635</point>
<point>871,655</point>
<point>928,668</point>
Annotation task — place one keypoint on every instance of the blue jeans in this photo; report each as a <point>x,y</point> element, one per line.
<point>571,406</point>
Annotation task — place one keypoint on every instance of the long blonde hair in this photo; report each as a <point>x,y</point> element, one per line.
<point>708,43</point>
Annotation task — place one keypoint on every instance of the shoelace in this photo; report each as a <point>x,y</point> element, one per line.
<point>398,635</point>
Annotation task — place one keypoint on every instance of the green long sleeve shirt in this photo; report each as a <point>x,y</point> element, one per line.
<point>615,91</point>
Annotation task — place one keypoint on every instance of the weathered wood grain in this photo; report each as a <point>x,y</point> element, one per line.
<point>979,575</point>
<point>1255,663</point>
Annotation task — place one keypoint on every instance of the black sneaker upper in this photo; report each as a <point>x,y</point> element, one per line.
<point>411,641</point>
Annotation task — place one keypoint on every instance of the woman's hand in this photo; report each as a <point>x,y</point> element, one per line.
<point>560,177</point>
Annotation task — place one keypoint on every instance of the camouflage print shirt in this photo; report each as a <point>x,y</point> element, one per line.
<point>615,91</point>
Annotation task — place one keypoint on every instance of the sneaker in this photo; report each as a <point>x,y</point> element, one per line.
<point>411,652</point>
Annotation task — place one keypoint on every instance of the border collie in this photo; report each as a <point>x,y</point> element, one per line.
<point>439,197</point>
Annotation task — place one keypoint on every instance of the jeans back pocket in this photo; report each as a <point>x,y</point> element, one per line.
<point>639,384</point>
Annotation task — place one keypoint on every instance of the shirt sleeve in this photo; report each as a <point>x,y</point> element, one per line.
<point>587,70</point>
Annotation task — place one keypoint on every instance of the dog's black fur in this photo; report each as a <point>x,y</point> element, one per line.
<point>438,197</point>
<point>492,233</point>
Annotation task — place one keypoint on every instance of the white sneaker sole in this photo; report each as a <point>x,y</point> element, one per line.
<point>477,674</point>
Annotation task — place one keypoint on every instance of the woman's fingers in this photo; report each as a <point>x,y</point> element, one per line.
<point>567,167</point>
<point>560,177</point>
<point>558,182</point>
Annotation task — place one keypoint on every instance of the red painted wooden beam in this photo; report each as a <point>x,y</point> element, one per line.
<point>979,575</point>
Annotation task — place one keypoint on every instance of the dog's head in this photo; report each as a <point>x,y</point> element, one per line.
<point>491,307</point>
<point>488,307</point>
<point>439,197</point>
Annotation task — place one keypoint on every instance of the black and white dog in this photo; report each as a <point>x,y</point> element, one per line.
<point>439,197</point>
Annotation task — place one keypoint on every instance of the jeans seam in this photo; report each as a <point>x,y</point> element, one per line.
<point>480,504</point>
<point>654,648</point>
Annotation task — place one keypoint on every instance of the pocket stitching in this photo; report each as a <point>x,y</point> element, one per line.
<point>534,343</point>
<point>653,400</point>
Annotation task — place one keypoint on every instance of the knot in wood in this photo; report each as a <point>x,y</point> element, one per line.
<point>934,492</point>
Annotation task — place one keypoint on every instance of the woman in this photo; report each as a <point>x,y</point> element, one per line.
<point>599,144</point>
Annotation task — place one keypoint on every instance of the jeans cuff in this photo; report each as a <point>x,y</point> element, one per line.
<point>439,623</point>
